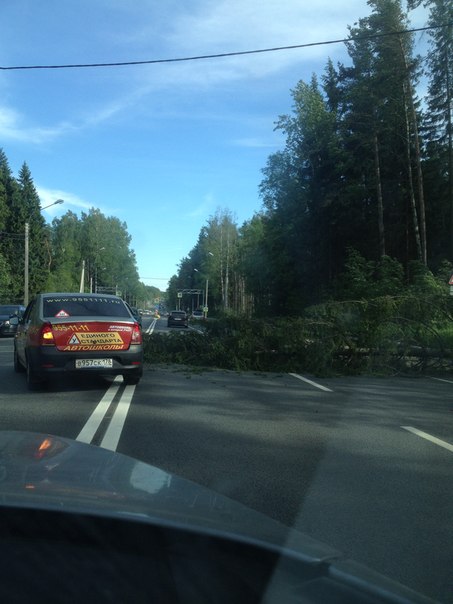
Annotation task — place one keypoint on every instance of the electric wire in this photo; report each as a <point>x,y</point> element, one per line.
<point>222,54</point>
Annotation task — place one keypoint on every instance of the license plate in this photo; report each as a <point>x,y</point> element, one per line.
<point>93,363</point>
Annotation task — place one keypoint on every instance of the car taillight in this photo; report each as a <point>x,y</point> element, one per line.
<point>136,334</point>
<point>46,335</point>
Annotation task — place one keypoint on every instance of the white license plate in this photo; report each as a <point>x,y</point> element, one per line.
<point>88,363</point>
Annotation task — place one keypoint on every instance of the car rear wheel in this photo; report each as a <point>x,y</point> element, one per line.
<point>131,380</point>
<point>18,367</point>
<point>34,382</point>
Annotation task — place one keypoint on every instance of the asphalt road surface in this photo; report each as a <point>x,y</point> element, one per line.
<point>364,464</point>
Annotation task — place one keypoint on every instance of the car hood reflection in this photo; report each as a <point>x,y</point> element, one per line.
<point>52,473</point>
<point>42,471</point>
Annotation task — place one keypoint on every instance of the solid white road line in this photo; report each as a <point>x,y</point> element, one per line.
<point>151,327</point>
<point>113,433</point>
<point>94,421</point>
<point>299,377</point>
<point>433,439</point>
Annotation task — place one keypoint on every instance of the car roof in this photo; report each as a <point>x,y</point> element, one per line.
<point>79,295</point>
<point>11,306</point>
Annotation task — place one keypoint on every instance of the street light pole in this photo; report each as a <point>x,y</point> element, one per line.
<point>206,304</point>
<point>96,260</point>
<point>55,203</point>
<point>27,236</point>
<point>82,278</point>
<point>207,284</point>
<point>27,252</point>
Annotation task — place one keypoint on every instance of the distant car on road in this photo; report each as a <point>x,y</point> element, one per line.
<point>178,318</point>
<point>79,334</point>
<point>7,312</point>
<point>197,314</point>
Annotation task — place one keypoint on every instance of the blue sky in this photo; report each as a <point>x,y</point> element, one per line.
<point>159,146</point>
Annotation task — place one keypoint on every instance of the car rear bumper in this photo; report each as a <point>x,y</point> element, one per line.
<point>48,360</point>
<point>8,330</point>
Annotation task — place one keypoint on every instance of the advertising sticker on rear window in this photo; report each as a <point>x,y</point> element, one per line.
<point>120,328</point>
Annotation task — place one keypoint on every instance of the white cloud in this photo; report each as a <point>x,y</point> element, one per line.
<point>168,30</point>
<point>203,208</point>
<point>223,26</point>
<point>49,196</point>
<point>12,127</point>
<point>230,25</point>
<point>254,143</point>
<point>208,27</point>
<point>235,25</point>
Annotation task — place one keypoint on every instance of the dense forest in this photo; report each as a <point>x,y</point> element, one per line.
<point>359,202</point>
<point>91,251</point>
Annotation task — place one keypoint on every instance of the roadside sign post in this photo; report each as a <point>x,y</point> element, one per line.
<point>205,309</point>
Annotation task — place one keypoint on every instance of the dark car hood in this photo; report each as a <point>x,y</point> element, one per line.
<point>47,472</point>
<point>44,471</point>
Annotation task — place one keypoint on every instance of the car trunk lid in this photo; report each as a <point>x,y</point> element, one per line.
<point>92,336</point>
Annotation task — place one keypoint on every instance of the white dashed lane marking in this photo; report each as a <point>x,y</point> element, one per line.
<point>315,384</point>
<point>432,439</point>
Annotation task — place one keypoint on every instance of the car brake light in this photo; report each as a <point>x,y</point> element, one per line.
<point>136,334</point>
<point>46,335</point>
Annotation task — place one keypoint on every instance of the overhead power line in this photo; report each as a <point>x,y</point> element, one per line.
<point>222,54</point>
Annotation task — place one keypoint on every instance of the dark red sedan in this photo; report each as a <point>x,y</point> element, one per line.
<point>78,333</point>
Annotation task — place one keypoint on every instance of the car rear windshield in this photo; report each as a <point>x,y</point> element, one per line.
<point>178,313</point>
<point>80,306</point>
